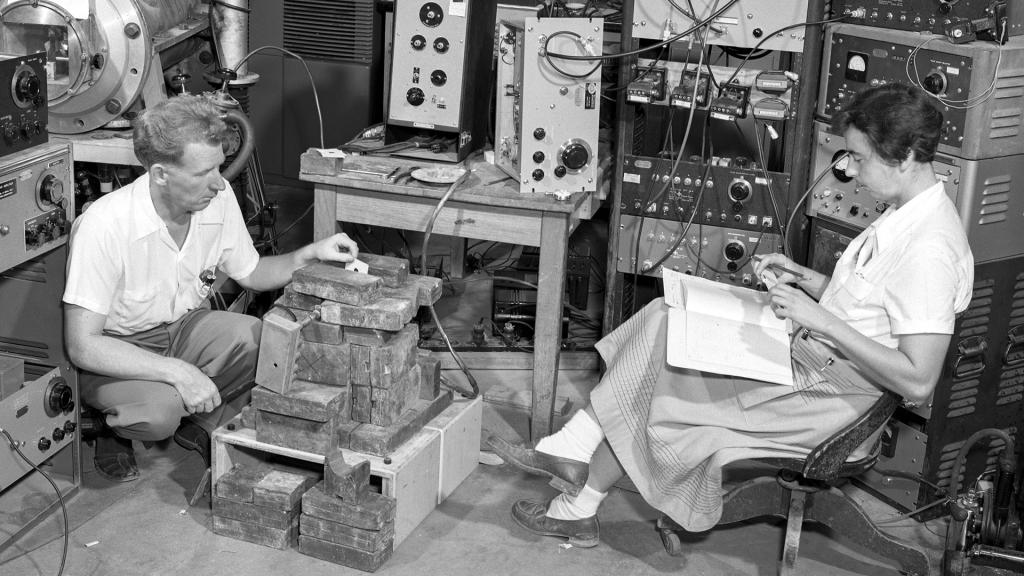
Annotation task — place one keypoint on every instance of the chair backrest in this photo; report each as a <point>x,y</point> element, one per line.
<point>831,459</point>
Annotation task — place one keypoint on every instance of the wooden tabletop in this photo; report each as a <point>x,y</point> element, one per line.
<point>484,184</point>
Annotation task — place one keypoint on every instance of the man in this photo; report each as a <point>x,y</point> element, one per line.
<point>142,262</point>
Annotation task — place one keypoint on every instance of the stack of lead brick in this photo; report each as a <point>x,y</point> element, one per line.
<point>343,521</point>
<point>339,365</point>
<point>259,503</point>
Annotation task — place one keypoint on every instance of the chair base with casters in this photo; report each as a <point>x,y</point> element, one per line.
<point>812,495</point>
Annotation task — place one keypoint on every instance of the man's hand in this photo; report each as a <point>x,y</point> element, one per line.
<point>198,393</point>
<point>337,248</point>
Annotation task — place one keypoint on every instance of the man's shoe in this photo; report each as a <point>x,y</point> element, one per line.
<point>566,475</point>
<point>115,458</point>
<point>192,436</point>
<point>533,516</point>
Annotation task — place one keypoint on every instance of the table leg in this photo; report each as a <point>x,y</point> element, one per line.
<point>325,211</point>
<point>554,242</point>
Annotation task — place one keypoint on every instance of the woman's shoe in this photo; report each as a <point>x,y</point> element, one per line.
<point>584,533</point>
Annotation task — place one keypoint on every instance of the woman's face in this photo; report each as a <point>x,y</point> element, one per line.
<point>880,179</point>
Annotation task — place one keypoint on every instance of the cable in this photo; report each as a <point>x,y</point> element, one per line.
<point>316,96</point>
<point>579,40</point>
<point>60,498</point>
<point>966,103</point>
<point>799,203</point>
<point>433,313</point>
<point>772,34</point>
<point>768,180</point>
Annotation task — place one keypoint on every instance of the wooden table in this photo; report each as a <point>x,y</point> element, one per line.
<point>485,206</point>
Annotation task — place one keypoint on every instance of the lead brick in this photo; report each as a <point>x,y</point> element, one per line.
<point>278,538</point>
<point>392,271</point>
<point>283,490</point>
<point>349,482</point>
<point>262,515</point>
<point>430,376</point>
<point>379,366</point>
<point>373,512</point>
<point>343,555</point>
<point>323,363</point>
<point>366,540</point>
<point>334,283</point>
<point>237,484</point>
<point>382,440</point>
<point>383,314</point>
<point>305,400</point>
<point>297,433</point>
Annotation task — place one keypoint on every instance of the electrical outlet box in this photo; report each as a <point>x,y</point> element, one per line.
<point>683,94</point>
<point>731,102</point>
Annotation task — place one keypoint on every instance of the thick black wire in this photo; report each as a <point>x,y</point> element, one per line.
<point>771,35</point>
<point>551,63</point>
<point>433,313</point>
<point>60,498</point>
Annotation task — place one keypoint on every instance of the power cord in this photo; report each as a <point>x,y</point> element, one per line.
<point>60,498</point>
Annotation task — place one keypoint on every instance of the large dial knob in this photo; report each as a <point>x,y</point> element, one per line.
<point>739,190</point>
<point>935,82</point>
<point>58,397</point>
<point>574,155</point>
<point>431,14</point>
<point>414,96</point>
<point>51,190</point>
<point>438,78</point>
<point>26,88</point>
<point>734,250</point>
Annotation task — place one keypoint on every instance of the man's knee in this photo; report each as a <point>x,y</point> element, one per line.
<point>149,422</point>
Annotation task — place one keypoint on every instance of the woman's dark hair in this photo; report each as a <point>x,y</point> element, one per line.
<point>898,120</point>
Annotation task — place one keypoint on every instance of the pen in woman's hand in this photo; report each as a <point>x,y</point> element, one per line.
<point>781,268</point>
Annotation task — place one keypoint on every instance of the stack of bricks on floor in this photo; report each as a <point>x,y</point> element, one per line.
<point>343,521</point>
<point>339,368</point>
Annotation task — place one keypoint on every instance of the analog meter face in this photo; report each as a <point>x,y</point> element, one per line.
<point>856,67</point>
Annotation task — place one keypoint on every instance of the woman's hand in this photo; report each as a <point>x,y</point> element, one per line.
<point>780,268</point>
<point>790,302</point>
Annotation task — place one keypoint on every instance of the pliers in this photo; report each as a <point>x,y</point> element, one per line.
<point>399,173</point>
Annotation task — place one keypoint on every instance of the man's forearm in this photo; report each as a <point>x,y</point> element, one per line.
<point>119,359</point>
<point>273,272</point>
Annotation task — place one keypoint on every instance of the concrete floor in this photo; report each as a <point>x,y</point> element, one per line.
<point>146,527</point>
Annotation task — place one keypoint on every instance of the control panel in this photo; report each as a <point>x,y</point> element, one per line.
<point>36,202</point>
<point>714,252</point>
<point>743,24</point>
<point>23,109</point>
<point>42,419</point>
<point>935,16</point>
<point>983,191</point>
<point>974,84</point>
<point>732,192</point>
<point>438,74</point>
<point>548,108</point>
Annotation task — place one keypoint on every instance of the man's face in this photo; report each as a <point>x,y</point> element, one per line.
<point>195,181</point>
<point>869,170</point>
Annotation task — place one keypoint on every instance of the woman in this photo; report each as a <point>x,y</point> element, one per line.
<point>882,321</point>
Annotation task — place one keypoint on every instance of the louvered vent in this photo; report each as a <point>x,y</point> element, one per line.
<point>330,30</point>
<point>995,199</point>
<point>1011,379</point>
<point>1005,121</point>
<point>948,458</point>
<point>963,392</point>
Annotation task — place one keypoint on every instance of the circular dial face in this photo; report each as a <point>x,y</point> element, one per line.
<point>839,170</point>
<point>734,250</point>
<point>51,190</point>
<point>431,14</point>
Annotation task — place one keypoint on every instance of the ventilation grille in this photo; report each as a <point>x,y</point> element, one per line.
<point>948,458</point>
<point>995,199</point>
<point>1011,378</point>
<point>330,30</point>
<point>1004,121</point>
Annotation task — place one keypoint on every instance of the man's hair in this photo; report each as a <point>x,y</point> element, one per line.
<point>898,120</point>
<point>162,132</point>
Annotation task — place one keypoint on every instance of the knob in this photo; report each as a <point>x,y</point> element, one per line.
<point>854,210</point>
<point>538,156</point>
<point>70,427</point>
<point>44,444</point>
<point>935,82</point>
<point>539,133</point>
<point>734,250</point>
<point>59,397</point>
<point>51,190</point>
<point>559,171</point>
<point>538,174</point>
<point>739,190</point>
<point>418,42</point>
<point>438,78</point>
<point>575,156</point>
<point>58,434</point>
<point>10,134</point>
<point>441,45</point>
<point>415,96</point>
<point>431,14</point>
<point>26,88</point>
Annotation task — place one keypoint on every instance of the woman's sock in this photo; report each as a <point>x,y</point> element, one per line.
<point>577,440</point>
<point>565,507</point>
